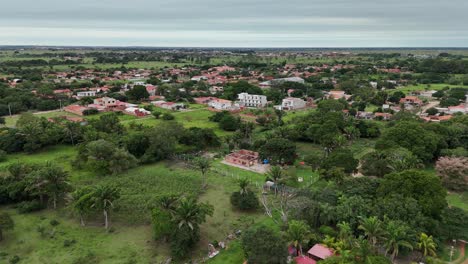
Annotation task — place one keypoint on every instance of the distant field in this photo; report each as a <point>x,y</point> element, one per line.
<point>422,87</point>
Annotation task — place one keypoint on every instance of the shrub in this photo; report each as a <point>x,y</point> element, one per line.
<point>13,260</point>
<point>3,155</point>
<point>54,222</point>
<point>244,201</point>
<point>68,243</point>
<point>29,206</point>
<point>168,116</point>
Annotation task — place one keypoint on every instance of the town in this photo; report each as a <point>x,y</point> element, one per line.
<point>192,155</point>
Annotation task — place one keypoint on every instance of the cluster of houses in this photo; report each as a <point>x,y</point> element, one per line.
<point>108,104</point>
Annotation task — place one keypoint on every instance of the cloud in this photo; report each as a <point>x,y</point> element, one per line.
<point>260,23</point>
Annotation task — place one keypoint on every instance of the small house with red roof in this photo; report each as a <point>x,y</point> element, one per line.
<point>319,252</point>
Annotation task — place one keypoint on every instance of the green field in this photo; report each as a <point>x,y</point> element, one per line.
<point>423,87</point>
<point>132,240</point>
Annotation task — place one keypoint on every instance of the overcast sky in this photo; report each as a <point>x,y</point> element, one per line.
<point>236,23</point>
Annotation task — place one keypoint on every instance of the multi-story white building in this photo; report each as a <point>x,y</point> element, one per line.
<point>86,94</point>
<point>251,100</point>
<point>291,103</point>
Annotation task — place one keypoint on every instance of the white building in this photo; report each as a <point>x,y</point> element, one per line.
<point>86,94</point>
<point>252,100</point>
<point>222,104</point>
<point>291,103</point>
<point>282,80</point>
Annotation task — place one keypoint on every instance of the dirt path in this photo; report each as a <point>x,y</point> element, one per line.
<point>462,255</point>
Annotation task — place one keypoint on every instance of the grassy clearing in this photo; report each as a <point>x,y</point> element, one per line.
<point>459,200</point>
<point>91,244</point>
<point>139,189</point>
<point>422,87</point>
<point>10,121</point>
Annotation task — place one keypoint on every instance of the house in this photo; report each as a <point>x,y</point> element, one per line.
<point>139,112</point>
<point>437,118</point>
<point>65,92</point>
<point>333,94</point>
<point>75,109</point>
<point>243,157</point>
<point>169,105</point>
<point>86,94</point>
<point>304,260</point>
<point>109,104</point>
<point>222,104</point>
<point>216,89</point>
<point>458,109</point>
<point>411,100</point>
<point>383,116</point>
<point>204,100</point>
<point>199,78</point>
<point>319,252</point>
<point>281,80</point>
<point>291,103</point>
<point>364,115</point>
<point>151,89</point>
<point>426,94</point>
<point>252,100</point>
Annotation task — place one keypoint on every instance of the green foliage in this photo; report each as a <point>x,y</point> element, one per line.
<point>341,158</point>
<point>137,93</point>
<point>423,187</point>
<point>412,136</point>
<point>104,157</point>
<point>168,116</point>
<point>278,151</point>
<point>264,245</point>
<point>381,162</point>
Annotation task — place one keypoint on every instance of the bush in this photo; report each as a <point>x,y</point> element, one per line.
<point>54,222</point>
<point>13,260</point>
<point>245,201</point>
<point>29,207</point>
<point>68,243</point>
<point>167,116</point>
<point>3,155</point>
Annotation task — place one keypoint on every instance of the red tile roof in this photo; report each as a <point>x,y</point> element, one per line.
<point>304,260</point>
<point>320,251</point>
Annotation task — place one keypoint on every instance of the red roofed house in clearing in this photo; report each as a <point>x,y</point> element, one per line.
<point>319,252</point>
<point>243,157</point>
<point>204,100</point>
<point>75,109</point>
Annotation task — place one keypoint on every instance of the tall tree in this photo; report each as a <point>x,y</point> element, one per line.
<point>203,165</point>
<point>396,237</point>
<point>81,201</point>
<point>103,199</point>
<point>373,229</point>
<point>297,233</point>
<point>426,245</point>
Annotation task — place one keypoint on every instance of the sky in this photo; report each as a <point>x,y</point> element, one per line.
<point>235,23</point>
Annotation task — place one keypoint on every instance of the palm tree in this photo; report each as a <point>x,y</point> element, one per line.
<point>395,238</point>
<point>82,202</point>
<point>373,229</point>
<point>297,232</point>
<point>190,214</point>
<point>426,245</point>
<point>345,233</point>
<point>275,174</point>
<point>203,165</point>
<point>244,185</point>
<point>103,198</point>
<point>51,181</point>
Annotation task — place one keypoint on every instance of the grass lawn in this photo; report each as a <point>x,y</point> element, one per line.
<point>11,121</point>
<point>89,244</point>
<point>459,200</point>
<point>422,87</point>
<point>132,241</point>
